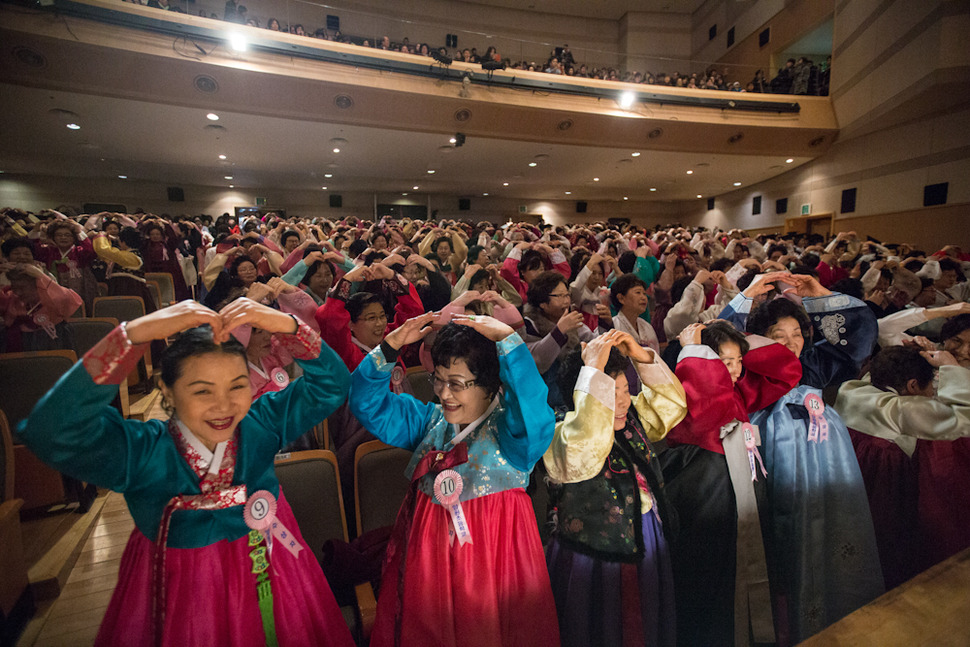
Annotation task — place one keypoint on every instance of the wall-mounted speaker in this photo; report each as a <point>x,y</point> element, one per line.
<point>764,37</point>
<point>336,201</point>
<point>756,205</point>
<point>580,207</point>
<point>176,194</point>
<point>781,205</point>
<point>934,194</point>
<point>848,200</point>
<point>333,23</point>
<point>464,204</point>
<point>710,204</point>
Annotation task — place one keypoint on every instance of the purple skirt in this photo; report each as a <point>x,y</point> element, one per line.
<point>596,600</point>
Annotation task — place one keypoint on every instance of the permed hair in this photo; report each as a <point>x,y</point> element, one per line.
<point>769,313</point>
<point>455,341</point>
<point>718,333</point>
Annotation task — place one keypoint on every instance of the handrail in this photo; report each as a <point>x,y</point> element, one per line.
<point>182,25</point>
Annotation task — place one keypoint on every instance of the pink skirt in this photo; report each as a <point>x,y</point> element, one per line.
<point>493,591</point>
<point>211,596</point>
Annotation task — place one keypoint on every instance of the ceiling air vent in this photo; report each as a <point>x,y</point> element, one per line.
<point>343,101</point>
<point>463,114</point>
<point>565,124</point>
<point>656,132</point>
<point>734,139</point>
<point>207,84</point>
<point>29,57</point>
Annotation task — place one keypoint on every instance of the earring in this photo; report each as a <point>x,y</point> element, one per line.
<point>167,408</point>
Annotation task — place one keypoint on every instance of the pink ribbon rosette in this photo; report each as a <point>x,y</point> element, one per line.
<point>818,426</point>
<point>447,490</point>
<point>260,515</point>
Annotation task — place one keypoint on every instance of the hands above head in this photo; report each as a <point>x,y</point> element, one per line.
<point>691,334</point>
<point>762,284</point>
<point>596,353</point>
<point>471,269</point>
<point>938,358</point>
<point>412,330</point>
<point>490,327</point>
<point>805,286</point>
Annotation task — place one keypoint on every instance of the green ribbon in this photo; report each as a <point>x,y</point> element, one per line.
<point>264,590</point>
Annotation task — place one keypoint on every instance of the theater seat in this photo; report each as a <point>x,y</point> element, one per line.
<point>379,484</point>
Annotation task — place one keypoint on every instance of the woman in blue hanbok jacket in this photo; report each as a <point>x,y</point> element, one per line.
<point>822,557</point>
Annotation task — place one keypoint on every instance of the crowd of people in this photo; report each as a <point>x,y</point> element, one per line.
<point>799,76</point>
<point>743,439</point>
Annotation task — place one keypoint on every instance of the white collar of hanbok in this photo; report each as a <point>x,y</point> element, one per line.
<point>460,436</point>
<point>210,460</point>
<point>361,344</point>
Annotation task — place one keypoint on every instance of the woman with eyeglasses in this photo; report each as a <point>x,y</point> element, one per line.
<point>464,562</point>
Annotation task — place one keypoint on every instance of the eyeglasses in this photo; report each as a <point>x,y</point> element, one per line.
<point>373,318</point>
<point>559,296</point>
<point>437,384</point>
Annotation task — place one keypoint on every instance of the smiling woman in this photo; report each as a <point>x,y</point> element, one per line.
<point>186,480</point>
<point>464,560</point>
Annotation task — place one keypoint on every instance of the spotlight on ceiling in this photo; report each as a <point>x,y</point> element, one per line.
<point>491,66</point>
<point>627,99</point>
<point>238,42</point>
<point>459,140</point>
<point>444,59</point>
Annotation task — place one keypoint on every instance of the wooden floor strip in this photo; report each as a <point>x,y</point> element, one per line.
<point>74,617</point>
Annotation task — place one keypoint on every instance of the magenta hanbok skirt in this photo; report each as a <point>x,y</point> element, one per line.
<point>211,596</point>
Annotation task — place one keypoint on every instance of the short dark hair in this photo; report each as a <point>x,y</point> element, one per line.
<point>781,249</point>
<point>191,343</point>
<point>852,287</point>
<point>949,265</point>
<point>531,260</point>
<point>623,285</point>
<point>571,363</point>
<point>678,288</point>
<point>357,303</point>
<point>542,286</point>
<point>473,252</point>
<point>289,233</point>
<point>356,247</point>
<point>239,260</point>
<point>893,367</point>
<point>954,326</point>
<point>718,333</point>
<point>627,261</point>
<point>722,264</point>
<point>771,312</point>
<point>455,341</point>
<point>15,243</point>
<point>436,293</point>
<point>130,237</point>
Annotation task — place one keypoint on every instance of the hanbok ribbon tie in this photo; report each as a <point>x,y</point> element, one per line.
<point>818,426</point>
<point>752,598</point>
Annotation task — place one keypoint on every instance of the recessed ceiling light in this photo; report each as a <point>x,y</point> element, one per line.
<point>404,194</point>
<point>328,175</point>
<point>228,177</point>
<point>238,42</point>
<point>789,160</point>
<point>122,177</point>
<point>569,192</point>
<point>232,186</point>
<point>625,198</point>
<point>505,183</point>
<point>596,179</point>
<point>222,157</point>
<point>324,188</point>
<point>533,164</point>
<point>430,171</point>
<point>635,154</point>
<point>414,188</point>
<point>690,172</point>
<point>74,127</point>
<point>212,116</point>
<point>627,99</point>
<point>336,150</point>
<point>699,195</point>
<point>653,188</point>
<point>484,194</point>
<point>737,184</point>
<point>453,140</point>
